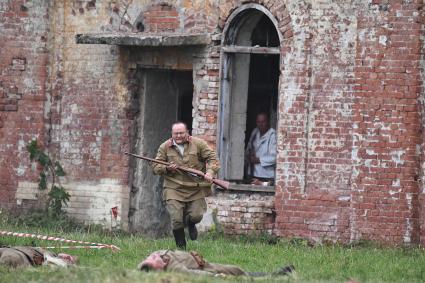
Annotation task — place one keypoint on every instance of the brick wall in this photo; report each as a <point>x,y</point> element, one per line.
<point>313,194</point>
<point>206,96</point>
<point>90,129</point>
<point>161,18</point>
<point>350,144</point>
<point>46,93</point>
<point>23,93</point>
<point>349,129</point>
<point>387,122</point>
<point>243,213</point>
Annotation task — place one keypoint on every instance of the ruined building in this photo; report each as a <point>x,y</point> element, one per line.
<point>342,81</point>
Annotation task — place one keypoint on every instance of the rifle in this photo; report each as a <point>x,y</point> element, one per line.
<point>221,183</point>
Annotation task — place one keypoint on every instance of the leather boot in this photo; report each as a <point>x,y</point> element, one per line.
<point>193,232</point>
<point>285,270</point>
<point>180,238</point>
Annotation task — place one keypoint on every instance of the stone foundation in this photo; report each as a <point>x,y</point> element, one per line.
<point>243,213</point>
<point>90,203</point>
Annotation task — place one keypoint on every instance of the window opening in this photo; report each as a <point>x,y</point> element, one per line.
<point>249,84</point>
<point>262,90</point>
<point>264,34</point>
<point>185,98</point>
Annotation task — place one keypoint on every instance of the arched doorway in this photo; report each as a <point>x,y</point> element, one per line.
<point>249,82</point>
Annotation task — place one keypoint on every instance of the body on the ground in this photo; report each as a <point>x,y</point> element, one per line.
<point>194,263</point>
<point>25,256</point>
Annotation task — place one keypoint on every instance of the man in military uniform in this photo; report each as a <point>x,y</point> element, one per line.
<point>185,194</point>
<point>194,263</point>
<point>29,256</point>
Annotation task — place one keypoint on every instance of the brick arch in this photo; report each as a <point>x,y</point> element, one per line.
<point>159,17</point>
<point>276,12</point>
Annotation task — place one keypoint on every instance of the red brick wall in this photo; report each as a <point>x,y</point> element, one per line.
<point>161,18</point>
<point>349,135</point>
<point>387,123</point>
<point>70,96</point>
<point>23,76</point>
<point>243,214</point>
<point>348,161</point>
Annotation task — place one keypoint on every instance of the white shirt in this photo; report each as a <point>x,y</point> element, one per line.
<point>264,148</point>
<point>180,147</point>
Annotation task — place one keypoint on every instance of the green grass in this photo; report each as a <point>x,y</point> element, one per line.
<point>367,263</point>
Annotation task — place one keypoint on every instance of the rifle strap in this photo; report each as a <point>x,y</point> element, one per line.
<point>34,256</point>
<point>198,258</point>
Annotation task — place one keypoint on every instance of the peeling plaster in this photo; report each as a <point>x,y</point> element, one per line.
<point>291,91</point>
<point>344,198</point>
<point>409,225</point>
<point>395,183</point>
<point>21,169</point>
<point>22,151</point>
<point>396,156</point>
<point>383,40</point>
<point>345,110</point>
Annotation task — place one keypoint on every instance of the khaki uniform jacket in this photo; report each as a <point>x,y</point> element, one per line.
<point>197,155</point>
<point>21,256</point>
<point>193,263</point>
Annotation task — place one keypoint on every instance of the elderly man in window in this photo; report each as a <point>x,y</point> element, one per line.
<point>261,152</point>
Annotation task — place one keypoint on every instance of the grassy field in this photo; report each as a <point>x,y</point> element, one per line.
<point>362,263</point>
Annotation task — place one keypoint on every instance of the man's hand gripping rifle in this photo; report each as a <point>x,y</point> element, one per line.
<point>221,183</point>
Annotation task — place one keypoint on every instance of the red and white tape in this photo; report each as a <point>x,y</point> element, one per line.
<point>50,238</point>
<point>75,247</point>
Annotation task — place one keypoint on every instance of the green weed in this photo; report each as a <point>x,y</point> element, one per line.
<point>323,263</point>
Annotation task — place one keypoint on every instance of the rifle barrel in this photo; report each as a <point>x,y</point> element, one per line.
<point>221,183</point>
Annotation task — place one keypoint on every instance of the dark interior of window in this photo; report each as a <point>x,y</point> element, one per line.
<point>262,90</point>
<point>264,34</point>
<point>263,77</point>
<point>185,98</point>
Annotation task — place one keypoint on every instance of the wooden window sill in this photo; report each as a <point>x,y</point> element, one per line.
<point>250,188</point>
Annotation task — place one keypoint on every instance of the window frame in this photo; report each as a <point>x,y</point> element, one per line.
<point>227,57</point>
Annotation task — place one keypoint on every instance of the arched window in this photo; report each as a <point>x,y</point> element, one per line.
<point>249,83</point>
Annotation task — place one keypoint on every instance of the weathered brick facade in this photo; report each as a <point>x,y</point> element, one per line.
<point>24,90</point>
<point>350,119</point>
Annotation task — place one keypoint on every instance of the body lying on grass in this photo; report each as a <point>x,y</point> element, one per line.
<point>194,263</point>
<point>29,256</point>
